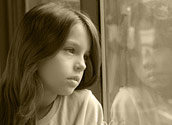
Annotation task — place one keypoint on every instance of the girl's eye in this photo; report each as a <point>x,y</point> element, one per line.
<point>70,50</point>
<point>86,57</point>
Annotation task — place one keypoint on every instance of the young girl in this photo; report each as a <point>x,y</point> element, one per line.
<point>53,58</point>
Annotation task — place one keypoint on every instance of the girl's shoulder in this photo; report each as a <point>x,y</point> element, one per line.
<point>83,99</point>
<point>83,96</point>
<point>81,107</point>
<point>83,92</point>
<point>92,108</point>
<point>78,97</point>
<point>123,98</point>
<point>85,103</point>
<point>134,91</point>
<point>131,95</point>
<point>139,97</point>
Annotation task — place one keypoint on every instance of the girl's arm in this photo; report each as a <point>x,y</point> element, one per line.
<point>94,112</point>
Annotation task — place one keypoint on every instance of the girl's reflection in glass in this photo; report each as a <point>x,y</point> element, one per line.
<point>147,98</point>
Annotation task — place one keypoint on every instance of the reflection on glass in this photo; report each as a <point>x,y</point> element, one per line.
<point>142,48</point>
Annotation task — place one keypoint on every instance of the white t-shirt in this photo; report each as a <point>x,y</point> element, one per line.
<point>79,108</point>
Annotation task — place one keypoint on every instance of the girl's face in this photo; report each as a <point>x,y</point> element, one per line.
<point>154,61</point>
<point>63,73</point>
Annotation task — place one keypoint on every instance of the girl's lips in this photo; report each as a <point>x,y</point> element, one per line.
<point>74,81</point>
<point>75,78</point>
<point>153,73</point>
<point>156,75</point>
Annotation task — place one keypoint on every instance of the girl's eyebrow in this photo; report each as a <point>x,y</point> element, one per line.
<point>74,43</point>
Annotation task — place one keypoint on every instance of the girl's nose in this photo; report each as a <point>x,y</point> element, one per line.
<point>80,66</point>
<point>148,64</point>
<point>148,60</point>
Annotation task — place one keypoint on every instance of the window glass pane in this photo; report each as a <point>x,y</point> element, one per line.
<point>138,39</point>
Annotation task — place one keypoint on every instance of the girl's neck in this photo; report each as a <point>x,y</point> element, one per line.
<point>43,111</point>
<point>46,104</point>
<point>165,93</point>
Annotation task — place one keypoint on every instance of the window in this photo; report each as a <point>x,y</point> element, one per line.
<point>137,61</point>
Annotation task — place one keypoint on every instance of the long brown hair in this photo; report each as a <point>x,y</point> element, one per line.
<point>41,33</point>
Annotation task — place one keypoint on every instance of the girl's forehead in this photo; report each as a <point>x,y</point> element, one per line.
<point>79,36</point>
<point>154,37</point>
<point>147,36</point>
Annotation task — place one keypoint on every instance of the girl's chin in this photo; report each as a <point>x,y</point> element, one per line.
<point>156,84</point>
<point>67,92</point>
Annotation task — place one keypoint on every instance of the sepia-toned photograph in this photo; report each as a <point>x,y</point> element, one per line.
<point>86,62</point>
